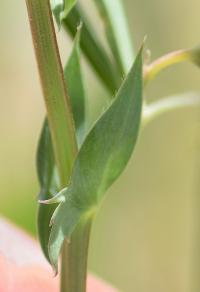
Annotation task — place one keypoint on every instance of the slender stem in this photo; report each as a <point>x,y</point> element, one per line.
<point>74,261</point>
<point>74,255</point>
<point>152,70</point>
<point>117,32</point>
<point>168,104</point>
<point>53,85</point>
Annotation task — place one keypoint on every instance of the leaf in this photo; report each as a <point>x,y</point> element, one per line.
<point>45,161</point>
<point>91,46</point>
<point>47,173</point>
<point>61,8</point>
<point>73,76</point>
<point>101,159</point>
<point>48,184</point>
<point>117,33</point>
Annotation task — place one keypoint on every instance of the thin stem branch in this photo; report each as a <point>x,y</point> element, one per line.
<point>152,70</point>
<point>168,104</point>
<point>118,34</point>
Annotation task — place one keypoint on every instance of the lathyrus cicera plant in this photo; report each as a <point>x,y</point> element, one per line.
<point>76,165</point>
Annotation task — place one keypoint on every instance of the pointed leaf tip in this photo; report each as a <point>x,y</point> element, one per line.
<point>61,9</point>
<point>56,199</point>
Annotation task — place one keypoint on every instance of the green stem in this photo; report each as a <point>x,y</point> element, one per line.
<point>74,260</point>
<point>117,32</point>
<point>152,70</point>
<point>74,255</point>
<point>53,85</point>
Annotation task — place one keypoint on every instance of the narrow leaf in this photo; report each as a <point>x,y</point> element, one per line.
<point>73,76</point>
<point>48,185</point>
<point>45,159</point>
<point>117,33</point>
<point>101,159</point>
<point>92,48</point>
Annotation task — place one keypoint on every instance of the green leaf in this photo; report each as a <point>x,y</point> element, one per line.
<point>48,183</point>
<point>117,33</point>
<point>101,159</point>
<point>92,48</point>
<point>68,5</point>
<point>73,76</point>
<point>45,161</point>
<point>46,168</point>
<point>61,8</point>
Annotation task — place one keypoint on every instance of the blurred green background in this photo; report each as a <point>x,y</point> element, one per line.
<point>147,236</point>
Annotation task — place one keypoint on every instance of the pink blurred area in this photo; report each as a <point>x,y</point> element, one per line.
<point>23,267</point>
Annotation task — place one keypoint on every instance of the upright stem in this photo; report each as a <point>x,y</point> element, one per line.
<point>74,254</point>
<point>74,261</point>
<point>53,85</point>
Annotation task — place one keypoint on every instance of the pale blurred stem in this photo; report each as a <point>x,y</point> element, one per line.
<point>168,104</point>
<point>73,271</point>
<point>152,70</point>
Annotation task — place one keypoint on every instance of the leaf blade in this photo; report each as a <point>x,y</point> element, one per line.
<point>74,81</point>
<point>48,185</point>
<point>92,48</point>
<point>101,159</point>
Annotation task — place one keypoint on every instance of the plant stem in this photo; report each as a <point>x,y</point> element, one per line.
<point>74,255</point>
<point>74,260</point>
<point>157,108</point>
<point>152,70</point>
<point>53,85</point>
<point>117,32</point>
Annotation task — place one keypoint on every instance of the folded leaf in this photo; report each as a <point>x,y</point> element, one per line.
<point>47,173</point>
<point>101,159</point>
